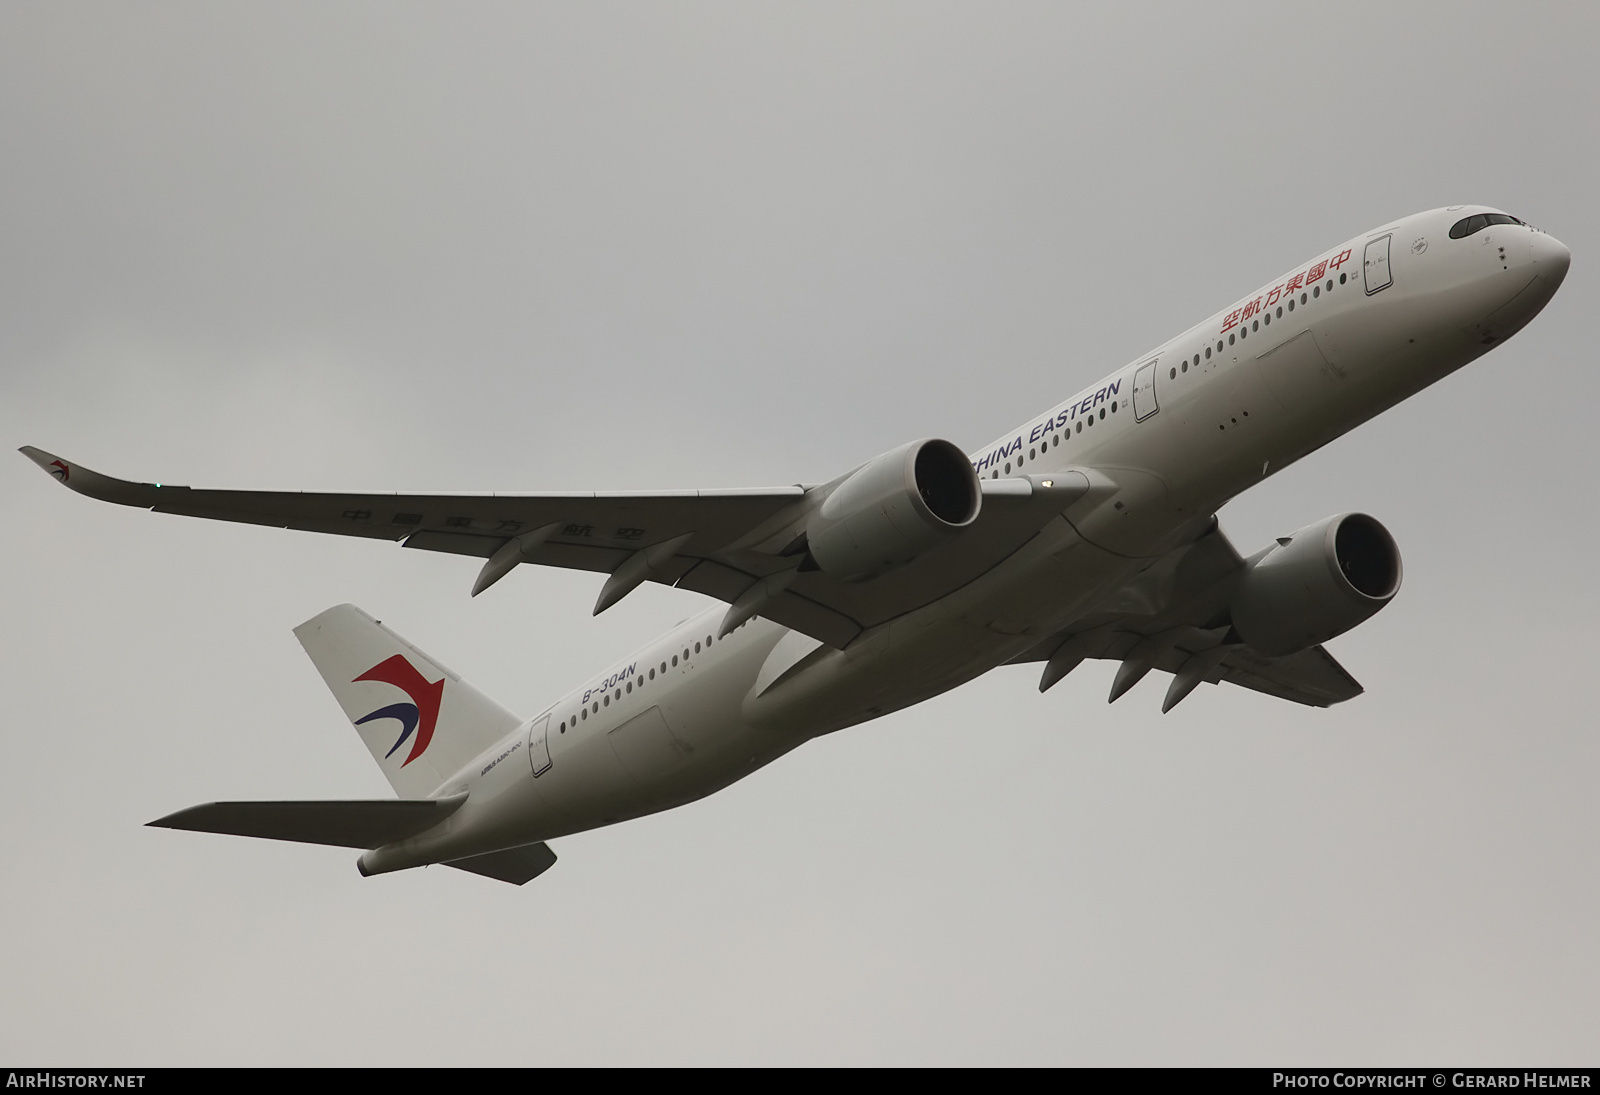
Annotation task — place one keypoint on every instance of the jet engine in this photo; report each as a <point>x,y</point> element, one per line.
<point>1318,583</point>
<point>892,509</point>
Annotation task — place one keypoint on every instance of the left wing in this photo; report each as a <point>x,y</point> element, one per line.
<point>734,545</point>
<point>1174,617</point>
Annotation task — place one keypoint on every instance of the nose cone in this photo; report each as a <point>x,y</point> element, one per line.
<point>1551,259</point>
<point>1548,259</point>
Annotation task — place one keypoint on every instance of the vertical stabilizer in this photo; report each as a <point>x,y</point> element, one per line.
<point>420,721</point>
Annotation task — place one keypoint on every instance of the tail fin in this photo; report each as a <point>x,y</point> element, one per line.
<point>420,721</point>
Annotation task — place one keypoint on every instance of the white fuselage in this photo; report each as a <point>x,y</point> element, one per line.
<point>1179,431</point>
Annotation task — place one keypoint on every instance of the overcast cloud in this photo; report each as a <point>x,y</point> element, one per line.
<point>592,246</point>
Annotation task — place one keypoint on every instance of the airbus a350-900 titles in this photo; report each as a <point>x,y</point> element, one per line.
<point>1087,532</point>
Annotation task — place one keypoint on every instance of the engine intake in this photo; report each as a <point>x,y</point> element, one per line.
<point>1319,583</point>
<point>892,509</point>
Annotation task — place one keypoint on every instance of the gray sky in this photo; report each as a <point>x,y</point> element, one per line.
<point>520,247</point>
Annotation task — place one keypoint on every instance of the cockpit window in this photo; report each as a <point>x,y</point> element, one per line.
<point>1466,226</point>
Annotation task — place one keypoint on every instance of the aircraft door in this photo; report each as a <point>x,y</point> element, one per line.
<point>1375,265</point>
<point>539,747</point>
<point>1144,392</point>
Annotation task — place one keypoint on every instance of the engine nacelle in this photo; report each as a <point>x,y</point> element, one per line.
<point>893,509</point>
<point>1324,580</point>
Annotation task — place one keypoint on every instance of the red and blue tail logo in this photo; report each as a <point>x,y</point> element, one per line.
<point>420,715</point>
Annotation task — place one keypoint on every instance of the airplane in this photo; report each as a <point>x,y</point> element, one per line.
<point>1087,532</point>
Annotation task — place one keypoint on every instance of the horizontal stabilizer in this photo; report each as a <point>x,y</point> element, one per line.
<point>514,865</point>
<point>358,824</point>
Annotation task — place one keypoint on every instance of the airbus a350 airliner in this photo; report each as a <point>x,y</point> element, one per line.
<point>1087,532</point>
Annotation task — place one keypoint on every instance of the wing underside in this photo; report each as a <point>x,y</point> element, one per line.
<point>722,543</point>
<point>1174,618</point>
<point>733,544</point>
<point>1311,677</point>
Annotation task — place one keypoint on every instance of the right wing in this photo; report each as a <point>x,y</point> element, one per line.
<point>738,546</point>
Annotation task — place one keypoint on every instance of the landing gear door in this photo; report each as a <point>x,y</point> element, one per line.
<point>538,747</point>
<point>1144,392</point>
<point>1375,265</point>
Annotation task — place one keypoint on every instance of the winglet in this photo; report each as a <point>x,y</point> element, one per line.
<point>92,483</point>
